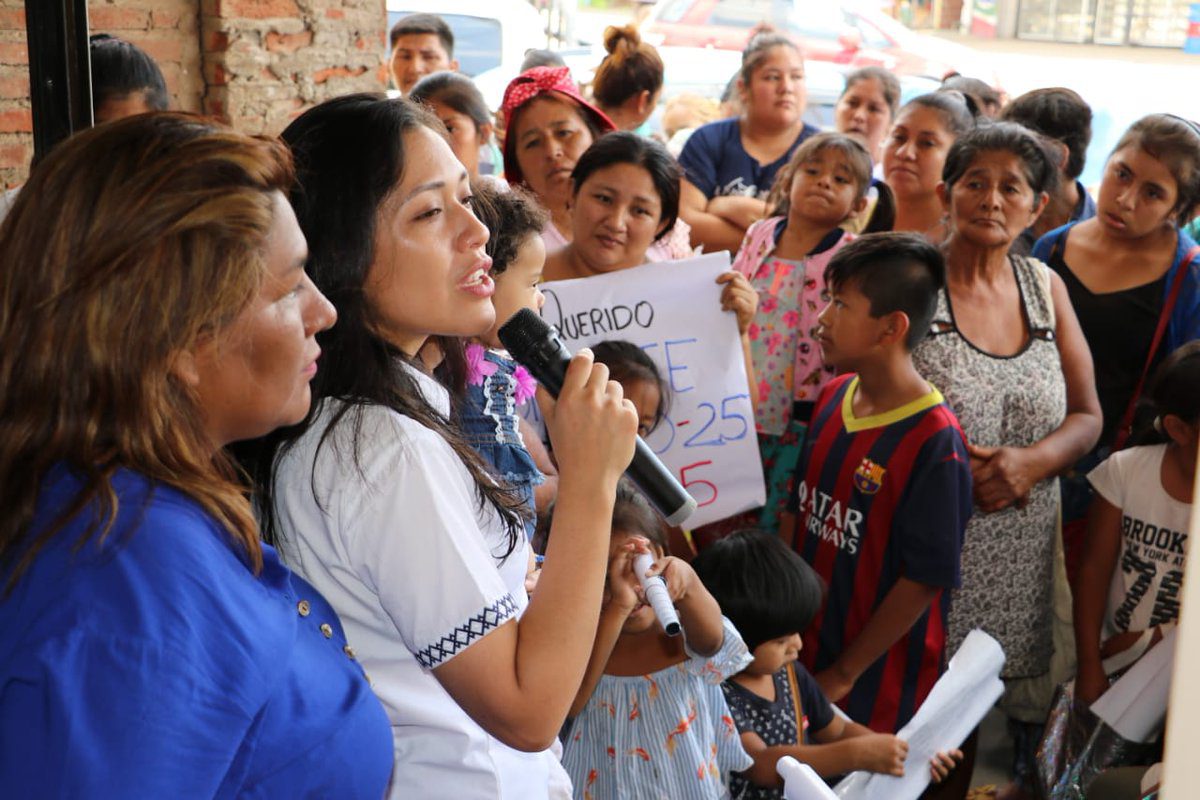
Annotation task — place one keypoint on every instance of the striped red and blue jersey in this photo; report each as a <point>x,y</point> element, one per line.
<point>876,499</point>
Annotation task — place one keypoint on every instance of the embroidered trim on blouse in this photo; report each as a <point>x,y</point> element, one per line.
<point>475,627</point>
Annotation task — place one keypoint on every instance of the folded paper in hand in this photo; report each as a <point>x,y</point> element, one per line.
<point>1136,705</point>
<point>961,698</point>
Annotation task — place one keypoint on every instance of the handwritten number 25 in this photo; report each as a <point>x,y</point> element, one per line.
<point>727,414</point>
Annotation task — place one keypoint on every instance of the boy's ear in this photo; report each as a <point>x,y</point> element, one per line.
<point>454,65</point>
<point>895,328</point>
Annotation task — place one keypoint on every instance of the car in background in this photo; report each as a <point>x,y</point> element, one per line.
<point>487,35</point>
<point>842,32</point>
<point>706,72</point>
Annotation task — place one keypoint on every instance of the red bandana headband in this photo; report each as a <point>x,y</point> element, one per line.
<point>533,83</point>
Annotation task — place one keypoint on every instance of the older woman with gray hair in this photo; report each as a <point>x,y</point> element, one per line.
<point>1007,352</point>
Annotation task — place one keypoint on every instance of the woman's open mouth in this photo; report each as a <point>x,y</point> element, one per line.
<point>478,282</point>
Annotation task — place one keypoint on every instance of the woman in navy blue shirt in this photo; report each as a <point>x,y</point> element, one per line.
<point>729,165</point>
<point>153,309</point>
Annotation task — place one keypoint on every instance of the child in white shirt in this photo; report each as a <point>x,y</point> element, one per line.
<point>1127,592</point>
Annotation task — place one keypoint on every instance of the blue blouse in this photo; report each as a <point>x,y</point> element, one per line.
<point>716,163</point>
<point>155,664</point>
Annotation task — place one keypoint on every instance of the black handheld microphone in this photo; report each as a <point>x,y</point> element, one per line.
<point>539,349</point>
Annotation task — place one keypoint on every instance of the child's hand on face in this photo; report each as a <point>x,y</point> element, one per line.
<point>884,753</point>
<point>623,591</point>
<point>942,763</point>
<point>739,297</point>
<point>678,574</point>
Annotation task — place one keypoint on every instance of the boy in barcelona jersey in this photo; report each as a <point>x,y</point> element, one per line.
<point>882,492</point>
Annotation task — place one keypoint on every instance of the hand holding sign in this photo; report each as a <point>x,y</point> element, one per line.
<point>673,310</point>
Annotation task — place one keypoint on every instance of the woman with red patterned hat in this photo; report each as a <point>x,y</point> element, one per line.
<point>548,126</point>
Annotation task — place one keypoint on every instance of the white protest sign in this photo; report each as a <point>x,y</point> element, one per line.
<point>672,310</point>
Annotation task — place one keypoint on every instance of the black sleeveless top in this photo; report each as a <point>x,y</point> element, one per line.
<point>1119,327</point>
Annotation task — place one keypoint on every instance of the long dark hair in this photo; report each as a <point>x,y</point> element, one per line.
<point>349,155</point>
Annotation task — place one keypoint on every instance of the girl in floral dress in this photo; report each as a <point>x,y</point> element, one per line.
<point>784,256</point>
<point>650,720</point>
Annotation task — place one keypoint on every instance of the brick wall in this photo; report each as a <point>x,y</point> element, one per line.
<point>253,63</point>
<point>267,60</point>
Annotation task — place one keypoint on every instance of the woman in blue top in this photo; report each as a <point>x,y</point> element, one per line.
<point>730,165</point>
<point>153,309</point>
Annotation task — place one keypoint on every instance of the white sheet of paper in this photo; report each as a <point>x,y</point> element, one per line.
<point>801,782</point>
<point>958,701</point>
<point>1136,705</point>
<point>672,310</point>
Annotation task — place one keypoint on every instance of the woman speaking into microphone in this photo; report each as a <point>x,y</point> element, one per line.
<point>379,502</point>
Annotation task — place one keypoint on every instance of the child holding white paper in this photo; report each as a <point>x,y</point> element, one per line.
<point>649,719</point>
<point>770,594</point>
<point>1127,591</point>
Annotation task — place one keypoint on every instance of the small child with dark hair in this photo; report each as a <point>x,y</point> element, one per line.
<point>496,385</point>
<point>650,719</point>
<point>644,386</point>
<point>770,595</point>
<point>640,379</point>
<point>883,488</point>
<point>1128,590</point>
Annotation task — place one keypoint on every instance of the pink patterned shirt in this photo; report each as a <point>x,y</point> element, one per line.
<point>787,357</point>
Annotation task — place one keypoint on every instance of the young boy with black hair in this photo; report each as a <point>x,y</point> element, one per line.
<point>770,594</point>
<point>882,492</point>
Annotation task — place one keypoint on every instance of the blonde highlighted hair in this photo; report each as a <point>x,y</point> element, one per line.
<point>130,243</point>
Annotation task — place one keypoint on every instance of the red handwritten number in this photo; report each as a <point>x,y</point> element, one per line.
<point>688,484</point>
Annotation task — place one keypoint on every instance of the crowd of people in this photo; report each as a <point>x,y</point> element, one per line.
<point>277,528</point>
